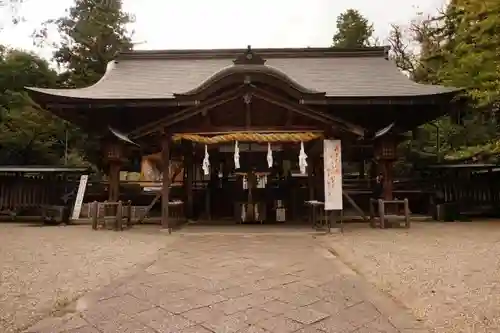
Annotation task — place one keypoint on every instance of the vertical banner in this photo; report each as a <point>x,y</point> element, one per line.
<point>332,159</point>
<point>77,208</point>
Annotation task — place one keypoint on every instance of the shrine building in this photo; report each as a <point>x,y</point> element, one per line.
<point>247,125</point>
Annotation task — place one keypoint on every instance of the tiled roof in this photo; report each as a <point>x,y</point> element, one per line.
<point>338,73</point>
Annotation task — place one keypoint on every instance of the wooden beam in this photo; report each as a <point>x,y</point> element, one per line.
<point>297,109</point>
<point>186,113</point>
<point>261,129</point>
<point>306,111</point>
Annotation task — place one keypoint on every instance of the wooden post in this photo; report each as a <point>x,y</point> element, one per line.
<point>188,181</point>
<point>310,180</point>
<point>118,217</point>
<point>165,188</point>
<point>387,171</point>
<point>114,181</point>
<point>94,214</point>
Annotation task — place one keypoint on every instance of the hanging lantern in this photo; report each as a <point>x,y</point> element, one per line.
<point>206,163</point>
<point>236,155</point>
<point>302,159</point>
<point>269,156</point>
<point>385,149</point>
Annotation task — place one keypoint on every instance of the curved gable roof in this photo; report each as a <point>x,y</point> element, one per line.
<point>335,72</point>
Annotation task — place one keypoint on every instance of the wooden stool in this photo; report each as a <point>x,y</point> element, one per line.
<point>378,219</point>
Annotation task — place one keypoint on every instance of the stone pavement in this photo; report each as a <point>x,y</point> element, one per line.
<point>236,283</point>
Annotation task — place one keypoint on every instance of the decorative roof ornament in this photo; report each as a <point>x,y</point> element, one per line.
<point>249,58</point>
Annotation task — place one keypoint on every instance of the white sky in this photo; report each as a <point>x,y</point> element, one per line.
<point>181,24</point>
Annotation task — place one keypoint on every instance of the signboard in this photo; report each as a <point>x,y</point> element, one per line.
<point>79,197</point>
<point>332,157</point>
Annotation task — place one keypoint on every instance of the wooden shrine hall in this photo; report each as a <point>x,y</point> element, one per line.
<point>249,124</point>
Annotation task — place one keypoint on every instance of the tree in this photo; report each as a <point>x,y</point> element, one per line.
<point>353,30</point>
<point>91,34</point>
<point>11,6</point>
<point>458,48</point>
<point>473,59</point>
<point>28,135</point>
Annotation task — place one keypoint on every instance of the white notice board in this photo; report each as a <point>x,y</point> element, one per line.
<point>332,158</point>
<point>79,197</point>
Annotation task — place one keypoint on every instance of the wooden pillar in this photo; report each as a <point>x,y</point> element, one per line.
<point>387,172</point>
<point>311,184</point>
<point>362,171</point>
<point>188,180</point>
<point>165,188</point>
<point>310,180</point>
<point>114,181</point>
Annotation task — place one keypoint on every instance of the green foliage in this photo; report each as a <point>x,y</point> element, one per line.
<point>472,57</point>
<point>460,48</point>
<point>353,30</point>
<point>27,134</point>
<point>91,34</point>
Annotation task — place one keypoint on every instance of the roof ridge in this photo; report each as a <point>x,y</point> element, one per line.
<point>266,53</point>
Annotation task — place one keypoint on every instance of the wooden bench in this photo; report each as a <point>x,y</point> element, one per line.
<point>380,218</point>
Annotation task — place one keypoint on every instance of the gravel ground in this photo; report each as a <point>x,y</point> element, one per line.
<point>44,268</point>
<point>448,274</point>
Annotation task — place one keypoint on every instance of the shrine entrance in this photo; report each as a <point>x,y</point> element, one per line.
<point>256,177</point>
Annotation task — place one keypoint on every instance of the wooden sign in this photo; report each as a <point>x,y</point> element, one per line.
<point>79,197</point>
<point>332,157</point>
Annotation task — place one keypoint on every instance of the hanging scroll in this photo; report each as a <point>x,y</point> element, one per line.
<point>333,174</point>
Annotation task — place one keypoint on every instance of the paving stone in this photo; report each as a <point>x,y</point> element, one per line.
<point>177,306</point>
<point>236,284</point>
<point>125,325</point>
<point>334,324</point>
<point>98,315</point>
<point>309,329</point>
<point>300,299</point>
<point>277,307</point>
<point>83,329</point>
<point>305,316</point>
<point>236,304</point>
<point>380,325</point>
<point>195,329</point>
<point>203,314</point>
<point>253,329</point>
<point>126,304</point>
<point>326,307</point>
<point>235,292</point>
<point>360,314</point>
<point>255,315</point>
<point>163,321</point>
<point>227,324</point>
<point>280,324</point>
